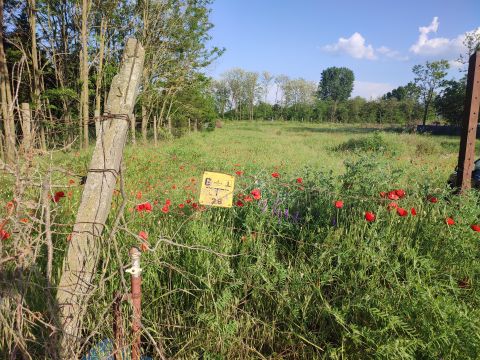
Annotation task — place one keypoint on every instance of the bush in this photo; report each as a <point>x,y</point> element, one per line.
<point>374,143</point>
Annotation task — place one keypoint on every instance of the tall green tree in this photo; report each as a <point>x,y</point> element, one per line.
<point>430,78</point>
<point>336,84</point>
<point>407,92</point>
<point>450,103</point>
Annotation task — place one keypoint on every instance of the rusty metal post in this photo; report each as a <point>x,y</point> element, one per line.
<point>136,271</point>
<point>466,155</point>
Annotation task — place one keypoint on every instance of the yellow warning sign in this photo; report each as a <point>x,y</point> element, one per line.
<point>217,189</point>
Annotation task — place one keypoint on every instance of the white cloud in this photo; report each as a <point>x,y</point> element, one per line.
<point>354,46</point>
<point>455,64</point>
<point>438,46</point>
<point>370,90</point>
<point>392,54</point>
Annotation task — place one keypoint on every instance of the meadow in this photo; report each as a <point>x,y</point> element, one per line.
<point>343,242</point>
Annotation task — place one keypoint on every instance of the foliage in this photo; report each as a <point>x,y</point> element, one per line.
<point>451,102</point>
<point>289,275</point>
<point>374,143</point>
<point>407,92</point>
<point>429,78</point>
<point>336,83</point>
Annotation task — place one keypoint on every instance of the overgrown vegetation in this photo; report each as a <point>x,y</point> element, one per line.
<point>374,143</point>
<point>289,275</point>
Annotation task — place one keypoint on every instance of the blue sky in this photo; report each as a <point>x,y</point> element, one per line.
<point>379,40</point>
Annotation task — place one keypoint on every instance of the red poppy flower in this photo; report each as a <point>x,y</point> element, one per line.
<point>4,235</point>
<point>58,195</point>
<point>195,205</point>
<point>247,199</point>
<point>174,186</point>
<point>140,207</point>
<point>188,201</point>
<point>393,196</point>
<point>400,193</point>
<point>256,194</point>
<point>432,199</point>
<point>276,175</point>
<point>139,195</point>
<point>143,235</point>
<point>299,181</point>
<point>165,209</point>
<point>239,172</point>
<point>475,228</point>
<point>24,220</point>
<point>168,202</point>
<point>147,207</point>
<point>413,211</point>
<point>392,205</point>
<point>239,203</point>
<point>71,181</point>
<point>339,204</point>
<point>181,206</point>
<point>369,216</point>
<point>449,221</point>
<point>402,211</point>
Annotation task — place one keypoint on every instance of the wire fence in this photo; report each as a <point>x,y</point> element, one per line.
<point>37,224</point>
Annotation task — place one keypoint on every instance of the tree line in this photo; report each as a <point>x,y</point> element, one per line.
<point>241,94</point>
<point>60,58</point>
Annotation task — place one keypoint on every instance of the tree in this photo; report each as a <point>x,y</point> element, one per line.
<point>267,79</point>
<point>429,78</point>
<point>336,84</point>
<point>221,94</point>
<point>450,103</point>
<point>471,43</point>
<point>407,92</point>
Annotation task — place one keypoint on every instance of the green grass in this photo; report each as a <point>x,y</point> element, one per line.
<point>290,276</point>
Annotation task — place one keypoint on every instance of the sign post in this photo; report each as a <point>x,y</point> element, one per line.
<point>466,155</point>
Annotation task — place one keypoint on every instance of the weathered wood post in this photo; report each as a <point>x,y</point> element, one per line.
<point>466,155</point>
<point>83,252</point>
<point>26,123</point>
<point>96,118</point>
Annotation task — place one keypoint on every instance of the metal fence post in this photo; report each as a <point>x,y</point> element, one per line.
<point>136,279</point>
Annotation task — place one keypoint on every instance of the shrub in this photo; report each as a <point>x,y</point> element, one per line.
<point>373,143</point>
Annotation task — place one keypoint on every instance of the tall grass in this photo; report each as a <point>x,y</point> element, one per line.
<point>290,275</point>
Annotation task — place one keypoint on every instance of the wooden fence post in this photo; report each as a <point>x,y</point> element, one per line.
<point>466,155</point>
<point>96,118</point>
<point>26,123</point>
<point>75,284</point>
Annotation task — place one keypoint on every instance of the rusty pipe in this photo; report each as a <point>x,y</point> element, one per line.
<point>136,296</point>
